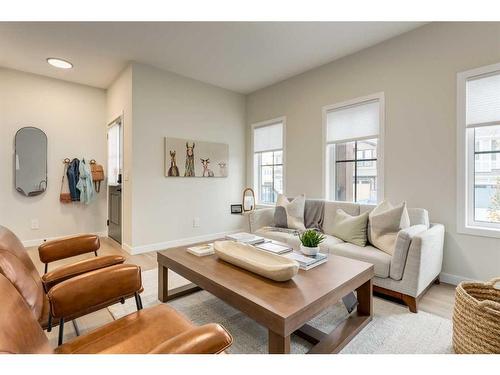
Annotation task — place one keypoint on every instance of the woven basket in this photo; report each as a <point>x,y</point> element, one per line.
<point>476,318</point>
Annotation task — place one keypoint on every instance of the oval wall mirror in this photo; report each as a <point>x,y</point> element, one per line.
<point>248,200</point>
<point>30,161</point>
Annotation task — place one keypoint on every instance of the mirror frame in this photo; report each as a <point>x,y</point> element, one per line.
<point>20,190</point>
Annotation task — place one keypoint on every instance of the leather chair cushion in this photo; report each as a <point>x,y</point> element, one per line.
<point>68,247</point>
<point>19,330</point>
<point>71,270</point>
<point>137,333</point>
<point>15,271</point>
<point>16,265</point>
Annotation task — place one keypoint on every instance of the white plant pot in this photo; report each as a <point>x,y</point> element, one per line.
<point>311,251</point>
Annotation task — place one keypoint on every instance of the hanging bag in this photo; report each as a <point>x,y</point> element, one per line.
<point>97,174</point>
<point>64,195</point>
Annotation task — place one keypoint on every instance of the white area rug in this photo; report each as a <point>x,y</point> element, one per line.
<point>393,330</point>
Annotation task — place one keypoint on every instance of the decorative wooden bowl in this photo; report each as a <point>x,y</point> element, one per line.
<point>271,266</point>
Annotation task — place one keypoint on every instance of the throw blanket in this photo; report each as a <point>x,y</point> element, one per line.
<point>313,214</point>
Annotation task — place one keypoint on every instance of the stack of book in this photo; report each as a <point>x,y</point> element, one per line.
<point>248,238</point>
<point>274,247</point>
<point>202,250</point>
<point>307,262</point>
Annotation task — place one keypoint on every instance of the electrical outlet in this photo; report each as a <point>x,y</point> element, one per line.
<point>196,222</point>
<point>35,224</point>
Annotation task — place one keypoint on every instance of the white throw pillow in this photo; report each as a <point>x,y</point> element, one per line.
<point>350,228</point>
<point>385,223</point>
<point>290,214</point>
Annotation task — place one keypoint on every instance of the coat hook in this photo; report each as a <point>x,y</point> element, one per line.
<point>92,161</point>
<point>66,161</point>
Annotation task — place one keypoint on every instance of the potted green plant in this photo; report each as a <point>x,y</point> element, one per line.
<point>309,242</point>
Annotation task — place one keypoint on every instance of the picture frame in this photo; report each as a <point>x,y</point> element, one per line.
<point>236,209</point>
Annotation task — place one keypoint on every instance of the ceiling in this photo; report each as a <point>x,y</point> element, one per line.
<point>239,56</point>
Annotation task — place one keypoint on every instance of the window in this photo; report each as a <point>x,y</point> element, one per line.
<point>353,150</point>
<point>268,160</point>
<point>478,151</point>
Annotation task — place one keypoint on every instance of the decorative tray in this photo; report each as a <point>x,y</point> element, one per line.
<point>271,266</point>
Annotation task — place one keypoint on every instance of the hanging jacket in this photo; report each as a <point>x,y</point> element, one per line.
<point>85,185</point>
<point>73,175</point>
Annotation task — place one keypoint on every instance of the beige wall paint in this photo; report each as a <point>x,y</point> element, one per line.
<point>417,72</point>
<point>72,116</point>
<point>166,104</point>
<point>119,103</point>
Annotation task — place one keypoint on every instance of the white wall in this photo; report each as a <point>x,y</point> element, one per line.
<point>165,104</point>
<point>72,116</point>
<point>417,72</point>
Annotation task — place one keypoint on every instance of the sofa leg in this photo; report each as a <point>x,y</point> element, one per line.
<point>437,282</point>
<point>411,302</point>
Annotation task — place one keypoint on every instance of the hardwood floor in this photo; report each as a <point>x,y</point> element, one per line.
<point>438,300</point>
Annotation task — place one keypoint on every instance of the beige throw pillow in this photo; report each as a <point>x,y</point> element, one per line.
<point>385,223</point>
<point>290,214</point>
<point>350,228</point>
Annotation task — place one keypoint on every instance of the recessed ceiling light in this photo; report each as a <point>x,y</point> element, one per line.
<point>59,63</point>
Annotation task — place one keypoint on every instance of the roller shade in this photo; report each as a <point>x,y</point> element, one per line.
<point>353,122</point>
<point>268,137</point>
<point>483,100</point>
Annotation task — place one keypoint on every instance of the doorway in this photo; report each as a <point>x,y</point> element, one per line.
<point>115,165</point>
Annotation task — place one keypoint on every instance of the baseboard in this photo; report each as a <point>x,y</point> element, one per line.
<point>38,242</point>
<point>134,250</point>
<point>452,279</point>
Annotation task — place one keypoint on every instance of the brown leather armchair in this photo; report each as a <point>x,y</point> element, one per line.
<point>16,265</point>
<point>158,329</point>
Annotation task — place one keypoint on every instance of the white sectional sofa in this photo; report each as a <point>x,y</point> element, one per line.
<point>417,258</point>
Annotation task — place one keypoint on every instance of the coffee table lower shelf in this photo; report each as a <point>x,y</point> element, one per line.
<point>324,343</point>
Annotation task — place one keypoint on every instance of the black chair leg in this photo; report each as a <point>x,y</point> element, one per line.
<point>95,252</point>
<point>75,326</point>
<point>138,301</point>
<point>49,325</point>
<point>61,331</point>
<point>46,267</point>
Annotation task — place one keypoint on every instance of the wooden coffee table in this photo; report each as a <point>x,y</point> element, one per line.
<point>284,308</point>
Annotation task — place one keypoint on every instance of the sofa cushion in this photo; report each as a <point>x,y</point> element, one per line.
<point>419,216</point>
<point>328,243</point>
<point>290,214</point>
<point>350,228</point>
<point>380,260</point>
<point>385,223</point>
<point>331,212</point>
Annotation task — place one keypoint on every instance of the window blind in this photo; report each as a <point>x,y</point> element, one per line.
<point>353,122</point>
<point>483,101</point>
<point>268,137</point>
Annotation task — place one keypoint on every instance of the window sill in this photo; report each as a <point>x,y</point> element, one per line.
<point>479,231</point>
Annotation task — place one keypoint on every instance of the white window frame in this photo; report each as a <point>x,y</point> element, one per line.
<point>465,162</point>
<point>281,119</point>
<point>380,143</point>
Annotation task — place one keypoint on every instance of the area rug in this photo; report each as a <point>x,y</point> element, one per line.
<point>393,330</point>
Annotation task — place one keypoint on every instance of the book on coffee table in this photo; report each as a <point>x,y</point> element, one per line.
<point>274,247</point>
<point>307,262</point>
<point>248,238</point>
<point>202,250</point>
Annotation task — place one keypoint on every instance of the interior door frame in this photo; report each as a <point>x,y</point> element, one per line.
<point>110,124</point>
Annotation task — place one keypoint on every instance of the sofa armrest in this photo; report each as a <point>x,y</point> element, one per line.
<point>425,258</point>
<point>51,251</point>
<point>94,290</point>
<point>261,217</point>
<point>207,339</point>
<point>401,247</point>
<point>67,272</point>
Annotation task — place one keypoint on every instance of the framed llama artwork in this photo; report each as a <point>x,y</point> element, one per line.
<point>193,158</point>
